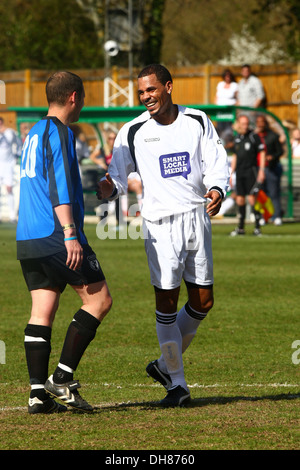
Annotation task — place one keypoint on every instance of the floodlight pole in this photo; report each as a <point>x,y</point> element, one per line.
<point>130,54</point>
<point>111,88</point>
<point>107,59</point>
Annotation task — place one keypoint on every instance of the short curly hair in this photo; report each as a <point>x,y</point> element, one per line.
<point>162,74</point>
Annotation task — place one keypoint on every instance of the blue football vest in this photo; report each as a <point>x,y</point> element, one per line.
<point>49,176</point>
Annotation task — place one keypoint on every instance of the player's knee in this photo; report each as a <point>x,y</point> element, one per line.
<point>200,299</point>
<point>106,305</point>
<point>207,305</point>
<point>203,305</point>
<point>166,299</point>
<point>100,306</point>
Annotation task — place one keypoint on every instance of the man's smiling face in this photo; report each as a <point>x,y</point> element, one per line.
<point>155,96</point>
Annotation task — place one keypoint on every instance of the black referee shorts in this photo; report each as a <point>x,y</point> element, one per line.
<point>52,271</point>
<point>245,181</point>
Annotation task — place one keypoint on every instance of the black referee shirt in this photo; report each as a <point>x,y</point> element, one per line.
<point>246,147</point>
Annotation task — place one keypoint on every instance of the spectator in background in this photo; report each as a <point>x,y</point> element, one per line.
<point>295,143</point>
<point>226,95</point>
<point>273,167</point>
<point>250,89</point>
<point>227,89</point>
<point>24,129</point>
<point>102,155</point>
<point>244,164</point>
<point>82,148</point>
<point>10,149</point>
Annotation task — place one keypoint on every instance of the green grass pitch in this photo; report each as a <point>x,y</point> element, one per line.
<point>243,367</point>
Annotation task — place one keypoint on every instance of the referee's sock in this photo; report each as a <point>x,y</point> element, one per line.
<point>81,332</point>
<point>37,343</point>
<point>241,216</point>
<point>257,217</point>
<point>170,342</point>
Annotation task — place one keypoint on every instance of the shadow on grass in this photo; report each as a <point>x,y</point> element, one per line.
<point>199,402</point>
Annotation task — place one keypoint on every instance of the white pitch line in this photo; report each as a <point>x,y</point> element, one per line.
<point>216,385</point>
<point>196,385</point>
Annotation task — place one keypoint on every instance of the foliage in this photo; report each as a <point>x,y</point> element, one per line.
<point>50,34</point>
<point>280,19</point>
<point>245,45</point>
<point>153,32</point>
<point>197,31</point>
<point>46,34</point>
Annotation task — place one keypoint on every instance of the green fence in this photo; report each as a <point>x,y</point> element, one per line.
<point>97,115</point>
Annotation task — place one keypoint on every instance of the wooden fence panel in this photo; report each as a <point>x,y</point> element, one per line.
<point>192,85</point>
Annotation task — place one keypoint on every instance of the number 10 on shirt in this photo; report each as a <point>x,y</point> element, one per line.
<point>28,161</point>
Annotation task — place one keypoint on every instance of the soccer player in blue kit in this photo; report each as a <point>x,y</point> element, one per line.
<point>184,169</point>
<point>53,249</point>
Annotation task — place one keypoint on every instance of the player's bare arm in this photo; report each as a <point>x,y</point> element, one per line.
<point>74,249</point>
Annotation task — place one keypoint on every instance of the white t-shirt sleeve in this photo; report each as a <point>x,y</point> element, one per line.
<point>214,157</point>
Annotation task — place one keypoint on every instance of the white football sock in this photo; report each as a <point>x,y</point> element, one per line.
<point>188,321</point>
<point>170,342</point>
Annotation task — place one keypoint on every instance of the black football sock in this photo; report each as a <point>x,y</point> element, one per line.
<point>242,216</point>
<point>257,217</point>
<point>37,343</point>
<point>81,332</point>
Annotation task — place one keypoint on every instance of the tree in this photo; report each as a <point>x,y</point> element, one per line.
<point>245,45</point>
<point>146,33</point>
<point>279,19</point>
<point>42,34</point>
<point>200,31</point>
<point>153,31</point>
<point>51,34</point>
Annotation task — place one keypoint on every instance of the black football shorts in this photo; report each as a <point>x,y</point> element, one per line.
<point>245,181</point>
<point>52,271</point>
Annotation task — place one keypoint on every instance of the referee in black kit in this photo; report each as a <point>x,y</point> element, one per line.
<point>249,171</point>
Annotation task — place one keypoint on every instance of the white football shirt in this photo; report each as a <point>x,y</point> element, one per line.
<point>178,163</point>
<point>7,140</point>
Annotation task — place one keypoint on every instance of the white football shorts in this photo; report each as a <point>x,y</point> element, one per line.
<point>179,247</point>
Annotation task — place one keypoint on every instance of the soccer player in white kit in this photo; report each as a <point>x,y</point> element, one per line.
<point>184,169</point>
<point>8,141</point>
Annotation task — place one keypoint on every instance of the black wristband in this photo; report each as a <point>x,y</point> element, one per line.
<point>114,193</point>
<point>216,188</point>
